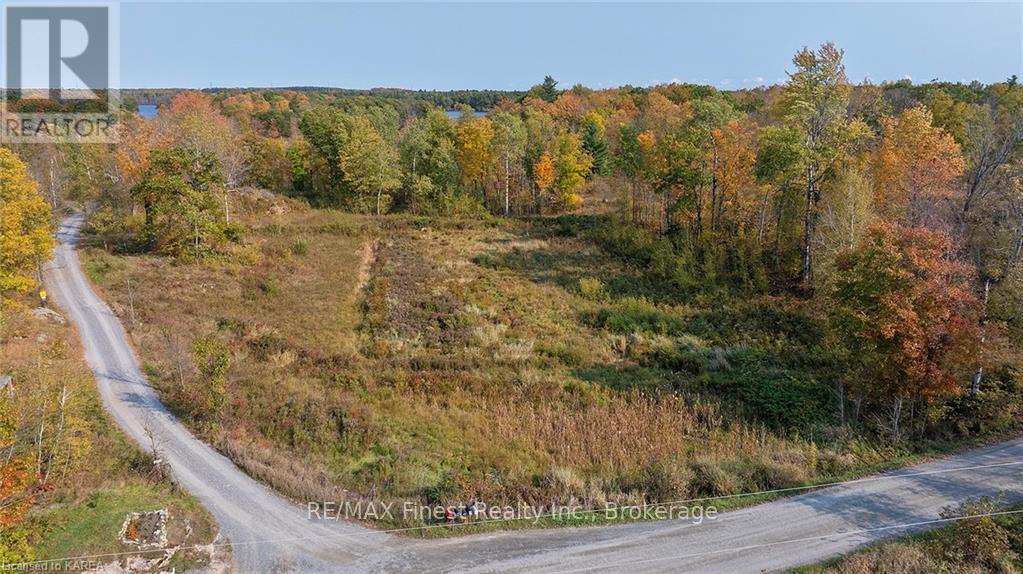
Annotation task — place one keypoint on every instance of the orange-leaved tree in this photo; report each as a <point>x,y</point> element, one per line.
<point>16,481</point>
<point>918,167</point>
<point>543,175</point>
<point>740,197</point>
<point>904,308</point>
<point>192,121</point>
<point>137,138</point>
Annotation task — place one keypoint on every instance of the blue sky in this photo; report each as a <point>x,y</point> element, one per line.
<point>512,46</point>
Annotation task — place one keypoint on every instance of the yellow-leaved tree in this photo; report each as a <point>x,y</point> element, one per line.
<point>26,226</point>
<point>571,166</point>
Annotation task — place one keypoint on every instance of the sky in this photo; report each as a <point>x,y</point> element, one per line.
<point>478,45</point>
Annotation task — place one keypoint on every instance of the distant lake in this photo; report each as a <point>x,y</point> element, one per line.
<point>455,114</point>
<point>150,111</point>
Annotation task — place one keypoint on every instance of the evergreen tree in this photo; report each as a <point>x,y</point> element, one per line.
<point>547,91</point>
<point>595,142</point>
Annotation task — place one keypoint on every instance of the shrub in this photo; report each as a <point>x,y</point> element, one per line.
<point>593,289</point>
<point>213,360</point>
<point>15,545</point>
<point>267,344</point>
<point>769,475</point>
<point>679,359</point>
<point>567,353</point>
<point>997,409</point>
<point>901,558</point>
<point>268,286</point>
<point>666,480</point>
<point>443,491</point>
<point>564,484</point>
<point>672,266</point>
<point>299,247</point>
<point>780,398</point>
<point>636,314</point>
<point>710,479</point>
<point>978,540</point>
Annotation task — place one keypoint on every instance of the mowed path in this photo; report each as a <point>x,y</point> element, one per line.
<point>270,534</point>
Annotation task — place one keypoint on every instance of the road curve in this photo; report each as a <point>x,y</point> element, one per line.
<point>270,534</point>
<point>246,511</point>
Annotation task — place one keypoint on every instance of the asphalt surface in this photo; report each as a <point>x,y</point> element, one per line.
<point>270,534</point>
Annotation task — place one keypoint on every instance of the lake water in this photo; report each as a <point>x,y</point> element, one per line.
<point>455,114</point>
<point>147,111</point>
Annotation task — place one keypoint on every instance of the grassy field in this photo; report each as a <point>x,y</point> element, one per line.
<point>444,360</point>
<point>92,526</point>
<point>91,476</point>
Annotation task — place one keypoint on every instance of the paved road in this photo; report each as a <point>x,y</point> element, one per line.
<point>270,534</point>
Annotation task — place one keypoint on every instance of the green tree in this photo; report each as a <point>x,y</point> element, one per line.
<point>571,166</point>
<point>595,142</point>
<point>629,161</point>
<point>993,144</point>
<point>413,145</point>
<point>269,165</point>
<point>179,193</point>
<point>439,160</point>
<point>323,129</point>
<point>994,136</point>
<point>547,90</point>
<point>369,162</point>
<point>815,101</point>
<point>427,146</point>
<point>299,155</point>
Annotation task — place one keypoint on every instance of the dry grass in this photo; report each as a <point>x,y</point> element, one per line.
<point>894,558</point>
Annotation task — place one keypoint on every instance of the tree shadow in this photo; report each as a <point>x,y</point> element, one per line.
<point>913,495</point>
